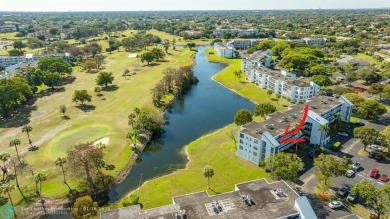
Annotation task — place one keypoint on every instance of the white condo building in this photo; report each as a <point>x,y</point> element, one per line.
<point>283,83</point>
<point>261,58</point>
<point>224,50</point>
<point>220,32</point>
<point>6,61</point>
<point>242,44</point>
<point>256,141</point>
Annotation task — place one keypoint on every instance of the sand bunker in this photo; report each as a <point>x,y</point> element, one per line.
<point>102,141</point>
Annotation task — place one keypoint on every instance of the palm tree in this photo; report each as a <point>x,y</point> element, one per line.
<point>208,172</point>
<point>15,143</point>
<point>39,178</point>
<point>338,118</point>
<point>27,129</point>
<point>60,162</point>
<point>4,158</point>
<point>13,162</point>
<point>322,129</point>
<point>7,188</point>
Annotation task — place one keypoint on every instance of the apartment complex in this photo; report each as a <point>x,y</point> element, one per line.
<point>8,28</point>
<point>257,141</point>
<point>221,32</point>
<point>256,199</point>
<point>225,51</point>
<point>228,50</point>
<point>242,44</point>
<point>258,58</point>
<point>283,83</point>
<point>309,41</point>
<point>6,61</point>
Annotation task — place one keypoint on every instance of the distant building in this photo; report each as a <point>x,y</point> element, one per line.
<point>314,41</point>
<point>309,41</point>
<point>256,199</point>
<point>258,58</point>
<point>283,83</point>
<point>221,32</point>
<point>347,59</point>
<point>242,44</point>
<point>224,50</point>
<point>257,141</point>
<point>8,28</point>
<point>12,63</point>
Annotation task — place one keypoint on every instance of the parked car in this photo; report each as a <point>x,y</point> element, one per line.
<point>378,157</point>
<point>374,173</point>
<point>384,178</point>
<point>372,154</point>
<point>335,204</point>
<point>356,166</point>
<point>360,123</point>
<point>375,147</point>
<point>343,134</point>
<point>350,173</point>
<point>343,191</point>
<point>352,197</point>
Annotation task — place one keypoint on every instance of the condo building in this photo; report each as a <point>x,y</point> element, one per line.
<point>282,82</point>
<point>257,141</point>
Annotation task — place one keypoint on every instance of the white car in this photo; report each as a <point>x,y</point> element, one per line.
<point>375,147</point>
<point>356,166</point>
<point>335,204</point>
<point>350,173</point>
<point>343,134</point>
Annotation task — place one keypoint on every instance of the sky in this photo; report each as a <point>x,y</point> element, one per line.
<point>151,5</point>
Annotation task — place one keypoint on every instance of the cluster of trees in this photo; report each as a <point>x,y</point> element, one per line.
<point>146,124</point>
<point>176,81</point>
<point>154,55</point>
<point>284,166</point>
<point>16,91</point>
<point>243,117</point>
<point>140,41</point>
<point>382,90</point>
<point>13,93</point>
<point>366,109</point>
<point>369,136</point>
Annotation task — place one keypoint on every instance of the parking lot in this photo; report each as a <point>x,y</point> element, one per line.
<point>350,148</point>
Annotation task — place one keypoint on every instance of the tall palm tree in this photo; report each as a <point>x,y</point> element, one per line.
<point>15,143</point>
<point>208,172</point>
<point>4,158</point>
<point>7,188</point>
<point>27,129</point>
<point>39,178</point>
<point>338,119</point>
<point>13,162</point>
<point>60,162</point>
<point>322,129</point>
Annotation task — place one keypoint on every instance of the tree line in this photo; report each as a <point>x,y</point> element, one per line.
<point>176,81</point>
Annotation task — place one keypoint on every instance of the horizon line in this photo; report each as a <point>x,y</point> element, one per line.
<point>178,10</point>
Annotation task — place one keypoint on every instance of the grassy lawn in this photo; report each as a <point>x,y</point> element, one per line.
<point>367,58</point>
<point>216,150</point>
<point>246,89</point>
<point>354,119</point>
<point>109,119</point>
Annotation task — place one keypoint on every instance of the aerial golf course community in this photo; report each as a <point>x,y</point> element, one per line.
<point>195,114</point>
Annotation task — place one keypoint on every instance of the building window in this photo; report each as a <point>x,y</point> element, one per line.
<point>272,150</point>
<point>241,135</point>
<point>255,154</point>
<point>241,147</point>
<point>255,148</point>
<point>256,141</point>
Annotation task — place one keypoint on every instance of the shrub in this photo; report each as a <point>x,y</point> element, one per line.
<point>130,200</point>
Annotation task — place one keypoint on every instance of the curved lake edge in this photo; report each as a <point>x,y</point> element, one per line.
<point>184,151</point>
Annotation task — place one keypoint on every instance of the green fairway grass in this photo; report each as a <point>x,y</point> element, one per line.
<point>108,119</point>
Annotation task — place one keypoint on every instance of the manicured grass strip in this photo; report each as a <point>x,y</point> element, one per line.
<point>216,150</point>
<point>246,89</point>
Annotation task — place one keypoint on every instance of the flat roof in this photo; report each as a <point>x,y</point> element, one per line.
<point>275,125</point>
<point>267,204</point>
<point>277,74</point>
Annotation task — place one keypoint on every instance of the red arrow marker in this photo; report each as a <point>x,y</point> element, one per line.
<point>295,140</point>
